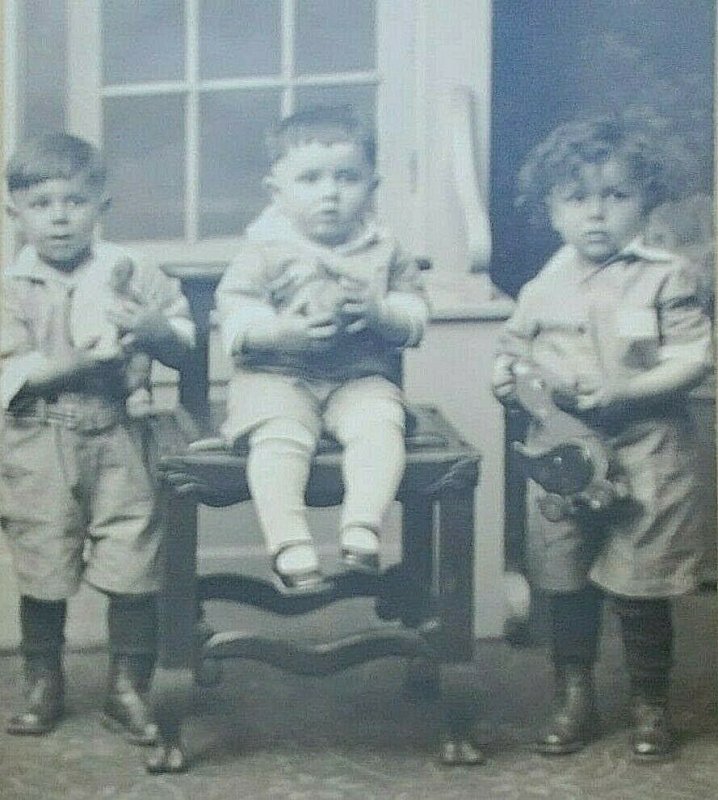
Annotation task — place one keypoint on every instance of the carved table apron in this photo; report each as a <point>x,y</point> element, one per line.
<point>430,591</point>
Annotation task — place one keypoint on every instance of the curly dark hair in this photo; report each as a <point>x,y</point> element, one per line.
<point>656,158</point>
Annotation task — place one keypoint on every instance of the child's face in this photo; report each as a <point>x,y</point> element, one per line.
<point>324,189</point>
<point>600,212</point>
<point>58,217</point>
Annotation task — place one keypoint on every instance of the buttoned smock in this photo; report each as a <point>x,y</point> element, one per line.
<point>599,323</point>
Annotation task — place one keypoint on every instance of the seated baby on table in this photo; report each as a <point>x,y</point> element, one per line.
<point>315,311</point>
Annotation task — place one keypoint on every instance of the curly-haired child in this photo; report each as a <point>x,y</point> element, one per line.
<point>620,323</point>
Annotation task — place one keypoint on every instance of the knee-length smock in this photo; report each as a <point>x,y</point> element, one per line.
<point>605,322</point>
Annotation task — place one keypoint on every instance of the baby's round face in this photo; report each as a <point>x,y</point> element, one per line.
<point>600,212</point>
<point>324,189</point>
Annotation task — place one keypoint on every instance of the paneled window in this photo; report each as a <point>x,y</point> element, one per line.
<point>180,94</point>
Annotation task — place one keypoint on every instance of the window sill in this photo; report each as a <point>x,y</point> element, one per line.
<point>208,271</point>
<point>462,298</point>
<point>466,298</point>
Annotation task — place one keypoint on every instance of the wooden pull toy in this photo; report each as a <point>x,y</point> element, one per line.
<point>566,456</point>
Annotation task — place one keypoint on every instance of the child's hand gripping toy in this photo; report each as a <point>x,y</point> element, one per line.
<point>566,457</point>
<point>320,295</point>
<point>317,289</point>
<point>92,331</point>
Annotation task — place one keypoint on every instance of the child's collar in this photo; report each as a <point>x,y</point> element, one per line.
<point>29,265</point>
<point>273,226</point>
<point>638,250</point>
<point>635,250</point>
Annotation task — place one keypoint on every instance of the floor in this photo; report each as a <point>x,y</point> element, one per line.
<point>356,735</point>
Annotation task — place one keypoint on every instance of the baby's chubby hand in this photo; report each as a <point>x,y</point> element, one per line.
<point>362,308</point>
<point>293,332</point>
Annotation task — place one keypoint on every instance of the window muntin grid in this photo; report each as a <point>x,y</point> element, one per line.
<point>215,188</point>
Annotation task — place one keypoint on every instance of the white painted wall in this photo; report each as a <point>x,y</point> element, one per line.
<point>453,51</point>
<point>451,370</point>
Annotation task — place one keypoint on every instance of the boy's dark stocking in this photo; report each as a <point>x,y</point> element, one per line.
<point>132,626</point>
<point>575,628</point>
<point>647,629</point>
<point>42,626</point>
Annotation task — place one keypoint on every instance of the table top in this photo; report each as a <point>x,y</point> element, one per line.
<point>435,452</point>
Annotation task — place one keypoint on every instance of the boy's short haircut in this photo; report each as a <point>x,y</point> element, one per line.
<point>324,124</point>
<point>55,156</point>
<point>656,158</point>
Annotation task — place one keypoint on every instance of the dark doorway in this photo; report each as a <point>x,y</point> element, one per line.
<point>554,60</point>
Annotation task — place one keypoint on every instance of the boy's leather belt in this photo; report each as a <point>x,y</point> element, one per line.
<point>84,420</point>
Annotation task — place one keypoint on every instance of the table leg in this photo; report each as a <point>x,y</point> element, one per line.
<point>456,572</point>
<point>456,610</point>
<point>174,678</point>
<point>422,674</point>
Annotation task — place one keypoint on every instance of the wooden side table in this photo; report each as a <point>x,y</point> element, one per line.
<point>430,591</point>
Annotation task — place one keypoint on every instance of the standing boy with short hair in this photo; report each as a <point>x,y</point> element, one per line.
<point>315,311</point>
<point>78,499</point>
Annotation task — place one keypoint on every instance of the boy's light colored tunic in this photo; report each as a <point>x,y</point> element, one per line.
<point>605,322</point>
<point>75,481</point>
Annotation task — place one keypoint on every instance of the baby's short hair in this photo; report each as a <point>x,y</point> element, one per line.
<point>324,124</point>
<point>52,156</point>
<point>656,159</point>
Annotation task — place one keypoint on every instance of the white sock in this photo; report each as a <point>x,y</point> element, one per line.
<point>277,474</point>
<point>364,540</point>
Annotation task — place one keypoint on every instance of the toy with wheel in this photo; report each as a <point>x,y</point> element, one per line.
<point>566,457</point>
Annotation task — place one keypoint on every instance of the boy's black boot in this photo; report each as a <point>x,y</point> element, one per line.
<point>573,721</point>
<point>42,626</point>
<point>647,629</point>
<point>44,696</point>
<point>575,619</point>
<point>651,738</point>
<point>126,710</point>
<point>132,627</point>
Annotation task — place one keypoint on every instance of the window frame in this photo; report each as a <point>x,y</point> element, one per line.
<point>394,77</point>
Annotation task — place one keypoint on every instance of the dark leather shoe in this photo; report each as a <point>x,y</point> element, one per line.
<point>125,710</point>
<point>651,738</point>
<point>44,698</point>
<point>300,582</point>
<point>364,561</point>
<point>574,721</point>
